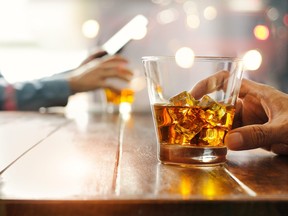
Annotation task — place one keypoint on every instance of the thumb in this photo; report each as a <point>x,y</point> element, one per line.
<point>250,137</point>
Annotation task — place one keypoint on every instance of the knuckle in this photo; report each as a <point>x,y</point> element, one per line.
<point>259,136</point>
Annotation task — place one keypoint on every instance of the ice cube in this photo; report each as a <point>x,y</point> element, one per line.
<point>189,123</point>
<point>183,99</point>
<point>227,119</point>
<point>206,101</point>
<point>214,115</point>
<point>212,136</point>
<point>214,111</point>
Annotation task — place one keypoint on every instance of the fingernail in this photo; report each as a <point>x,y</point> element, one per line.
<point>234,141</point>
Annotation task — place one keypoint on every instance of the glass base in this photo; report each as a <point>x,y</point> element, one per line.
<point>192,156</point>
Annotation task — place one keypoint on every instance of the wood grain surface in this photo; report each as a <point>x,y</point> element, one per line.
<point>104,165</point>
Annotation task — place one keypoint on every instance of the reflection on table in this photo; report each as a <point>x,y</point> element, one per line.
<point>52,164</point>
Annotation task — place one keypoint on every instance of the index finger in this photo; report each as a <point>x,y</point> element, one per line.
<point>212,83</point>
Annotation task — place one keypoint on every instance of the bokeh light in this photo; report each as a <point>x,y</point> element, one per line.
<point>210,13</point>
<point>193,21</point>
<point>245,5</point>
<point>261,32</point>
<point>273,14</point>
<point>252,60</point>
<point>161,2</point>
<point>90,28</point>
<point>138,83</point>
<point>167,16</point>
<point>190,7</point>
<point>185,57</point>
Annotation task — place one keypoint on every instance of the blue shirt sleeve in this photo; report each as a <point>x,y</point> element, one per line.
<point>41,93</point>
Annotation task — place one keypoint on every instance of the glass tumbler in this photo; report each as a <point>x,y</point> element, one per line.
<point>193,106</point>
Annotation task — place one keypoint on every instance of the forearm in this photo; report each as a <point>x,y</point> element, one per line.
<point>45,93</point>
<point>35,94</point>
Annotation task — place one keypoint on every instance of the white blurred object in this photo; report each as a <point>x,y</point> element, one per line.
<point>125,34</point>
<point>22,64</point>
<point>245,5</point>
<point>210,13</point>
<point>185,57</point>
<point>252,60</point>
<point>90,28</point>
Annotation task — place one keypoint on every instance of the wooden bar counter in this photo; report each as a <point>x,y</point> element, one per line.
<point>101,164</point>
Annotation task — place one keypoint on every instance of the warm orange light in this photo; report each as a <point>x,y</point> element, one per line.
<point>185,186</point>
<point>210,188</point>
<point>261,32</point>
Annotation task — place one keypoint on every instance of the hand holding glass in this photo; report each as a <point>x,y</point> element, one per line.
<point>191,122</point>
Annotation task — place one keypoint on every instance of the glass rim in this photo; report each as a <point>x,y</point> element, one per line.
<point>198,58</point>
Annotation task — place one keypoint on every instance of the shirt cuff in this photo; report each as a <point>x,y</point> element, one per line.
<point>9,98</point>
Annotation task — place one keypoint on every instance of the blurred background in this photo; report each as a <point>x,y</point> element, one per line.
<point>39,38</point>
